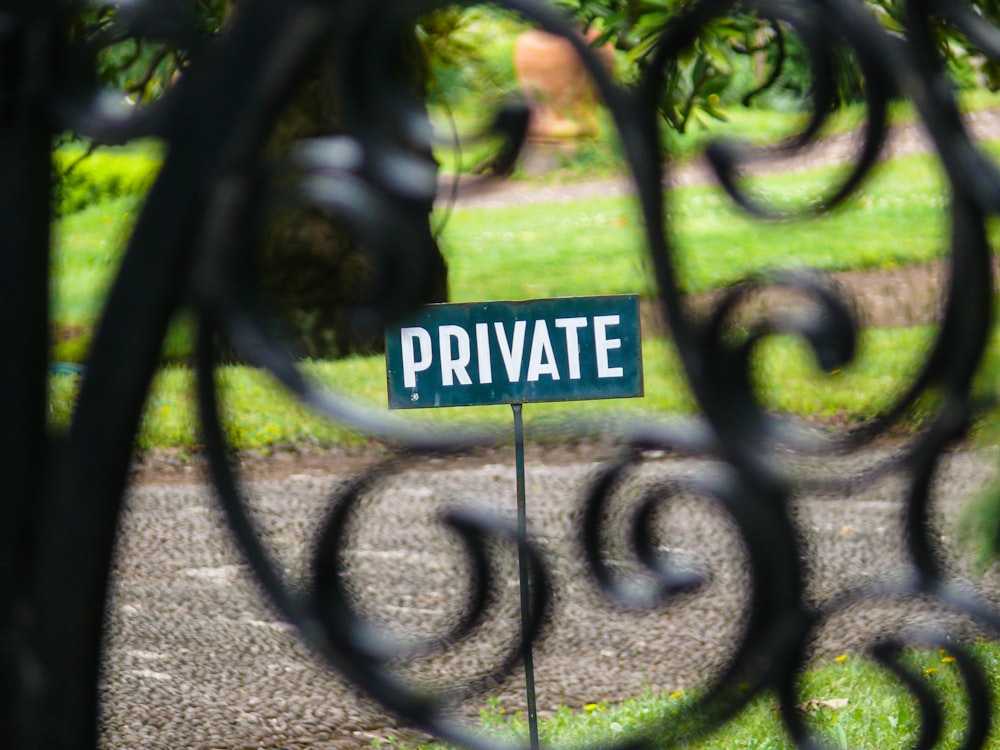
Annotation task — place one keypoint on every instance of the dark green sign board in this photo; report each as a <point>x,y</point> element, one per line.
<point>566,349</point>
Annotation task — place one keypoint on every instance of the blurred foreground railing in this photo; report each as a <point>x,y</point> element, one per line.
<point>63,493</point>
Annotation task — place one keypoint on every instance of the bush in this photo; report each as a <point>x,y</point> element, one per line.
<point>101,176</point>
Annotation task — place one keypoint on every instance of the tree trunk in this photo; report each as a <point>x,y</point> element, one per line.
<point>309,268</point>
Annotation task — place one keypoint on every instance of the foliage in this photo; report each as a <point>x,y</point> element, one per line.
<point>89,179</point>
<point>470,56</point>
<point>308,264</point>
<point>470,52</point>
<point>143,70</point>
<point>736,58</point>
<point>743,56</point>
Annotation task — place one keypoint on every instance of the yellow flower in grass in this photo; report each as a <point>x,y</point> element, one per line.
<point>677,694</point>
<point>840,659</point>
<point>591,707</point>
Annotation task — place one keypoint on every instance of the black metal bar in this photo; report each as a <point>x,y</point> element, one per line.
<point>62,494</point>
<point>221,125</point>
<point>27,49</point>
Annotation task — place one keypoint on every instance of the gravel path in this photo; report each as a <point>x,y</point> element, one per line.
<point>197,660</point>
<point>904,140</point>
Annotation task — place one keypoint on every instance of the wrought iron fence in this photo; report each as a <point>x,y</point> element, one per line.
<point>63,493</point>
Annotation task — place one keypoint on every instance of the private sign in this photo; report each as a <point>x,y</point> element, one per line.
<point>571,348</point>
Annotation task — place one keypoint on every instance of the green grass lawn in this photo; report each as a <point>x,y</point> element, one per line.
<point>845,700</point>
<point>596,246</point>
<point>88,249</point>
<point>547,250</point>
<point>260,415</point>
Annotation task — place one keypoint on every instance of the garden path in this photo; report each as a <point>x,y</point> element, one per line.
<point>197,659</point>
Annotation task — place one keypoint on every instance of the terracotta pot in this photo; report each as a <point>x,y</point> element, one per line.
<point>561,94</point>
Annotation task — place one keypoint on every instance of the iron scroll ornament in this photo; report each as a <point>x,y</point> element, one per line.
<point>199,223</point>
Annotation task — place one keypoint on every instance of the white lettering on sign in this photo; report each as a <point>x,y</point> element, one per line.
<point>542,360</point>
<point>455,350</point>
<point>454,362</point>
<point>483,350</point>
<point>603,345</point>
<point>411,365</point>
<point>572,326</point>
<point>512,352</point>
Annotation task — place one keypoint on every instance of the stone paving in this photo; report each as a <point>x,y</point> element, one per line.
<point>197,659</point>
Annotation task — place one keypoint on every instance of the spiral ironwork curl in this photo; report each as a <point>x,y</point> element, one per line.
<point>199,226</point>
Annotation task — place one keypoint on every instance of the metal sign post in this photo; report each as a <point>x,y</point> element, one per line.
<point>524,579</point>
<point>568,349</point>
